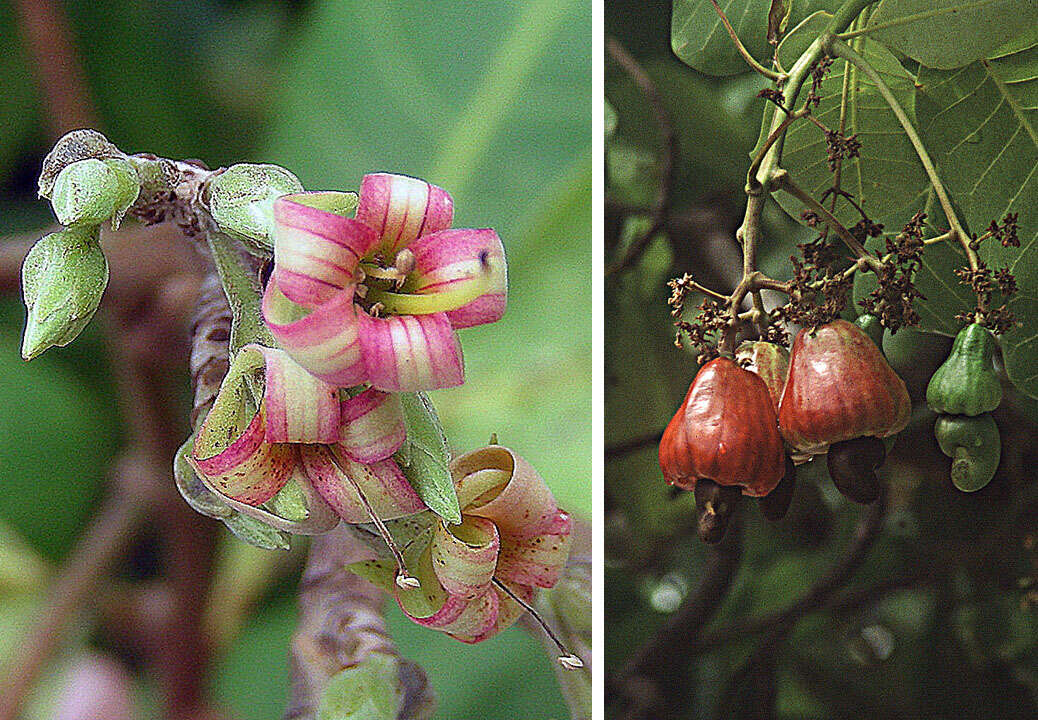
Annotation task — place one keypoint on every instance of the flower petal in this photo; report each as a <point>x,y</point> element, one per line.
<point>464,556</point>
<point>535,560</point>
<point>384,486</point>
<point>325,341</point>
<point>404,353</point>
<point>496,483</point>
<point>445,259</point>
<point>508,611</point>
<point>372,426</point>
<point>400,209</point>
<point>246,468</point>
<point>320,516</point>
<point>316,252</point>
<point>300,408</point>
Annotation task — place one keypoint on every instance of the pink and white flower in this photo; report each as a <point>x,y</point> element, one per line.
<point>273,422</point>
<point>377,298</point>
<point>513,539</point>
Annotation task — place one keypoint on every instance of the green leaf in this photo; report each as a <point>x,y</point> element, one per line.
<point>425,458</point>
<point>370,690</point>
<point>887,177</point>
<point>948,34</point>
<point>980,124</point>
<point>256,532</point>
<point>699,38</point>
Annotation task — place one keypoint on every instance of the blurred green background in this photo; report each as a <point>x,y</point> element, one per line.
<point>958,641</point>
<point>490,100</point>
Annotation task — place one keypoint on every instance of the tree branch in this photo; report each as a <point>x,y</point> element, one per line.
<point>668,154</point>
<point>340,625</point>
<point>650,684</point>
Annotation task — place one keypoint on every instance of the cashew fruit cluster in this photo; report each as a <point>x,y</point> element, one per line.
<point>963,392</point>
<point>744,420</point>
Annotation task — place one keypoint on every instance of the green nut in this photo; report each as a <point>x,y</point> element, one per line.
<point>90,192</point>
<point>63,278</point>
<point>241,201</point>
<point>973,444</point>
<point>966,384</point>
<point>872,327</point>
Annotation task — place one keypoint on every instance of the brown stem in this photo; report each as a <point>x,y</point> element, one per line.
<point>668,154</point>
<point>59,75</point>
<point>106,537</point>
<point>341,625</point>
<point>782,181</point>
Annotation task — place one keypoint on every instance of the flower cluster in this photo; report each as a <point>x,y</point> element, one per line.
<point>363,308</point>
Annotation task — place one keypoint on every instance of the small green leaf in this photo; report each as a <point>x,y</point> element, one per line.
<point>258,533</point>
<point>370,690</point>
<point>193,490</point>
<point>425,458</point>
<point>948,34</point>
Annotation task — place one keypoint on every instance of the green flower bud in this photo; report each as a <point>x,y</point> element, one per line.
<point>90,192</point>
<point>241,201</point>
<point>63,278</point>
<point>73,147</point>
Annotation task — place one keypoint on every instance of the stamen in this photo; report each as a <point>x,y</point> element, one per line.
<point>567,659</point>
<point>461,293</point>
<point>402,578</point>
<point>405,263</point>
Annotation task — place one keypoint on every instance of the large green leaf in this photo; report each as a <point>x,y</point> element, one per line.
<point>980,124</point>
<point>887,176</point>
<point>699,39</point>
<point>951,33</point>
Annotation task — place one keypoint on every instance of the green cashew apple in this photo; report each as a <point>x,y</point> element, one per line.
<point>973,444</point>
<point>967,384</point>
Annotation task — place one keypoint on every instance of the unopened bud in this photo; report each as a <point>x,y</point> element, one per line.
<point>63,278</point>
<point>241,201</point>
<point>90,192</point>
<point>72,147</point>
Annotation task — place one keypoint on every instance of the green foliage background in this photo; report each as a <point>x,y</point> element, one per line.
<point>490,100</point>
<point>963,645</point>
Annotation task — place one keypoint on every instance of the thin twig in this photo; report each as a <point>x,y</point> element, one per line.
<point>750,60</point>
<point>668,154</point>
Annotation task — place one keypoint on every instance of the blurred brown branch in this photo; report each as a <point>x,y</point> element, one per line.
<point>668,154</point>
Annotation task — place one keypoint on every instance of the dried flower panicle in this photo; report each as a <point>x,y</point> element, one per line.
<point>818,73</point>
<point>840,147</point>
<point>895,293</point>
<point>704,331</point>
<point>985,282</point>
<point>819,289</point>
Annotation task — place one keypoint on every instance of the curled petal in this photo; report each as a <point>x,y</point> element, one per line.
<point>247,468</point>
<point>384,486</point>
<point>325,341</point>
<point>536,560</point>
<point>316,252</point>
<point>299,407</point>
<point>496,483</point>
<point>464,556</point>
<point>320,516</point>
<point>405,353</point>
<point>401,209</point>
<point>372,426</point>
<point>508,611</point>
<point>446,260</point>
